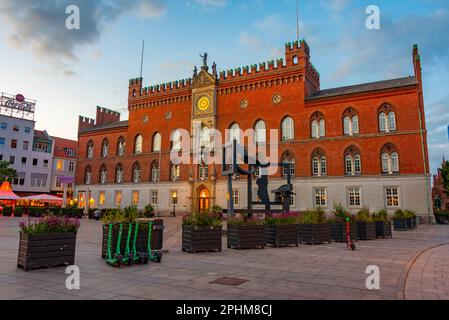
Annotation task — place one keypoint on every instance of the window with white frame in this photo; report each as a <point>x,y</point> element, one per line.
<point>155,172</point>
<point>350,123</point>
<point>88,175</point>
<point>90,150</point>
<point>101,198</point>
<point>234,133</point>
<point>154,198</point>
<point>320,197</point>
<point>319,163</point>
<point>392,197</point>
<point>203,172</point>
<point>387,119</point>
<point>176,140</point>
<point>390,160</point>
<point>103,175</point>
<point>354,197</point>
<point>105,148</point>
<point>353,162</point>
<point>318,126</point>
<point>121,147</point>
<point>260,132</point>
<point>157,142</point>
<point>175,172</point>
<point>293,199</point>
<point>236,197</point>
<point>137,173</point>
<point>288,129</point>
<point>288,159</point>
<point>119,174</point>
<point>138,144</point>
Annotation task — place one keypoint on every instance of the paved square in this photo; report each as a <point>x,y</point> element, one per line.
<point>413,265</point>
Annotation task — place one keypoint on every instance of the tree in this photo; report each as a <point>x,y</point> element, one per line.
<point>6,172</point>
<point>445,175</point>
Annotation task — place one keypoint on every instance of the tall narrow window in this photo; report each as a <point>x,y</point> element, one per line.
<point>347,125</point>
<point>138,144</point>
<point>353,162</point>
<point>157,142</point>
<point>390,160</point>
<point>319,163</point>
<point>103,175</point>
<point>288,129</point>
<point>105,148</point>
<point>350,122</point>
<point>121,147</point>
<point>137,173</point>
<point>88,176</point>
<point>176,140</point>
<point>234,133</point>
<point>261,132</point>
<point>175,172</point>
<point>119,174</point>
<point>90,150</point>
<point>155,172</point>
<point>288,158</point>
<point>387,118</point>
<point>391,121</point>
<point>382,122</point>
<point>318,126</point>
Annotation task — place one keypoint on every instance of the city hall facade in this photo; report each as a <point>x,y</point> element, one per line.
<point>361,146</point>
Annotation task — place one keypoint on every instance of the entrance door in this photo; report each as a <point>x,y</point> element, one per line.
<point>204,199</point>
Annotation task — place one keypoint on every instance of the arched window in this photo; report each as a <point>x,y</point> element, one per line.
<point>288,158</point>
<point>138,144</point>
<point>88,175</point>
<point>288,129</point>
<point>319,163</point>
<point>155,171</point>
<point>105,148</point>
<point>90,150</point>
<point>157,142</point>
<point>203,172</point>
<point>350,122</point>
<point>119,173</point>
<point>234,132</point>
<point>121,146</point>
<point>261,132</point>
<point>176,140</point>
<point>318,126</point>
<point>174,172</point>
<point>387,118</point>
<point>137,173</point>
<point>390,159</point>
<point>353,162</point>
<point>295,60</point>
<point>103,175</point>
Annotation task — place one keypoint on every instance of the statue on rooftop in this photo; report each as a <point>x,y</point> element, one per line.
<point>195,72</point>
<point>204,59</point>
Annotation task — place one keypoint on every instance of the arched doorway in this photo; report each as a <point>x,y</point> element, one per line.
<point>204,200</point>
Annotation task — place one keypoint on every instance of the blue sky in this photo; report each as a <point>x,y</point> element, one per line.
<point>71,72</point>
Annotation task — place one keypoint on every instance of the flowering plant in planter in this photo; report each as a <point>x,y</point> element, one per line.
<point>245,220</point>
<point>49,224</point>
<point>201,232</point>
<point>338,224</point>
<point>317,216</point>
<point>366,227</point>
<point>314,228</point>
<point>383,224</point>
<point>288,218</point>
<point>202,220</point>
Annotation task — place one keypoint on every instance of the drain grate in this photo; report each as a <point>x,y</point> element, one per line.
<point>226,281</point>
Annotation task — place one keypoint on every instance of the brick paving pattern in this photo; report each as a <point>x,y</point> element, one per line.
<point>413,265</point>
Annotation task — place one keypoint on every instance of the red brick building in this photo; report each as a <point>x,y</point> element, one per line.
<point>362,146</point>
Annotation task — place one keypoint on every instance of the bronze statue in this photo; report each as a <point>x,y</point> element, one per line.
<point>214,69</point>
<point>195,72</point>
<point>204,59</point>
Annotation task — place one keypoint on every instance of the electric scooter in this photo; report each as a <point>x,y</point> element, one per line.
<point>350,244</point>
<point>153,255</point>
<point>128,258</point>
<point>115,259</point>
<point>138,257</point>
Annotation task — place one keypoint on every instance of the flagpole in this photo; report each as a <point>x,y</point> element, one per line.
<point>141,61</point>
<point>297,20</point>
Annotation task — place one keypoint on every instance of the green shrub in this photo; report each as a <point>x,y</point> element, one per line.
<point>404,214</point>
<point>149,211</point>
<point>7,211</point>
<point>410,214</point>
<point>381,215</point>
<point>282,218</point>
<point>36,212</point>
<point>116,216</point>
<point>316,216</point>
<point>19,211</point>
<point>364,215</point>
<point>202,220</point>
<point>217,209</point>
<point>245,220</point>
<point>340,214</point>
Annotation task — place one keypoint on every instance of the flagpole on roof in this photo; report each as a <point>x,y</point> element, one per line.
<point>141,61</point>
<point>297,20</point>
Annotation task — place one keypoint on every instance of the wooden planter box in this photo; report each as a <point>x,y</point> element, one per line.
<point>201,239</point>
<point>314,233</point>
<point>401,224</point>
<point>383,229</point>
<point>281,235</point>
<point>246,237</point>
<point>142,238</point>
<point>366,230</point>
<point>338,231</point>
<point>414,222</point>
<point>47,250</point>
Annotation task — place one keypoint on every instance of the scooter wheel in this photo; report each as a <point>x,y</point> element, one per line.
<point>158,257</point>
<point>353,246</point>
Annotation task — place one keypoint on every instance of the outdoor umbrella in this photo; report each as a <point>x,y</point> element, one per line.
<point>6,192</point>
<point>45,198</point>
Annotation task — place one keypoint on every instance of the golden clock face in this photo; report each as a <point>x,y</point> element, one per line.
<point>203,104</point>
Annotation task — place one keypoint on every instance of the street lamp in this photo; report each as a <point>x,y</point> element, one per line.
<point>174,198</point>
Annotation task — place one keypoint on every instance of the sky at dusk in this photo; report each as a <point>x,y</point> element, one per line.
<point>69,73</point>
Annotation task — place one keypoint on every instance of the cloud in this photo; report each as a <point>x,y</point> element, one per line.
<point>272,23</point>
<point>39,26</point>
<point>209,3</point>
<point>251,41</point>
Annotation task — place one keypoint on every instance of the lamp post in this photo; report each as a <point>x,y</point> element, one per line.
<point>174,197</point>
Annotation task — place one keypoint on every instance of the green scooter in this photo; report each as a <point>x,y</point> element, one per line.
<point>138,257</point>
<point>154,255</point>
<point>115,259</point>
<point>128,259</point>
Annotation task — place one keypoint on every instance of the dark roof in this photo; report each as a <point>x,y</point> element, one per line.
<point>61,146</point>
<point>41,134</point>
<point>366,87</point>
<point>112,125</point>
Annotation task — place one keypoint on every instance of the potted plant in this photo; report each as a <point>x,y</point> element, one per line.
<point>401,221</point>
<point>411,219</point>
<point>383,224</point>
<point>314,228</point>
<point>338,224</point>
<point>281,229</point>
<point>366,227</point>
<point>47,242</point>
<point>245,232</point>
<point>149,211</point>
<point>202,232</point>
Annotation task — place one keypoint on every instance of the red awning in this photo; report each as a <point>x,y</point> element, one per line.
<point>6,192</point>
